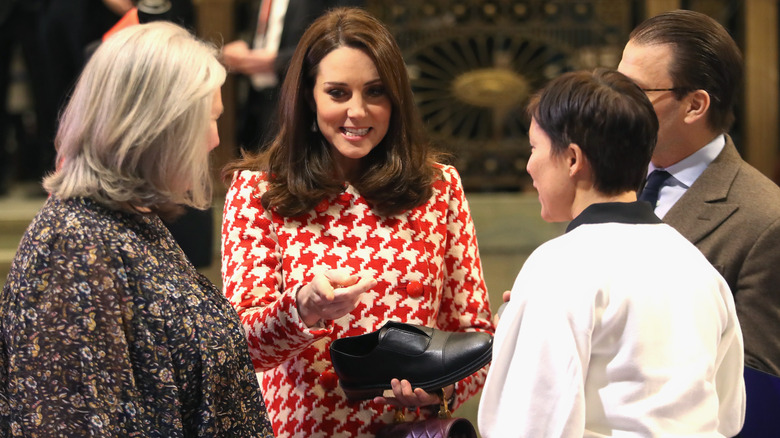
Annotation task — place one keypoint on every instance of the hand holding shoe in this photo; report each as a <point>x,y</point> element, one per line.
<point>406,396</point>
<point>330,296</point>
<point>428,358</point>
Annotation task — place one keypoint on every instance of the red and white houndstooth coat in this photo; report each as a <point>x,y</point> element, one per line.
<point>428,270</point>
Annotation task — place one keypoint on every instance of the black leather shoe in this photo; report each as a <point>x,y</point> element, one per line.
<point>428,358</point>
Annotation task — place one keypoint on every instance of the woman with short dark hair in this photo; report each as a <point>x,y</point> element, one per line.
<point>620,327</point>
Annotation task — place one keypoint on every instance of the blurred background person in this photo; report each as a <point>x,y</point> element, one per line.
<point>25,154</point>
<point>270,31</point>
<point>181,12</point>
<point>66,28</point>
<point>106,328</point>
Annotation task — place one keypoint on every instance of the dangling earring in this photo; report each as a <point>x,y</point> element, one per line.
<point>314,126</point>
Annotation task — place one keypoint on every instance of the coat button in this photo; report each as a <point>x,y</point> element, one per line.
<point>414,289</point>
<point>322,206</point>
<point>329,380</point>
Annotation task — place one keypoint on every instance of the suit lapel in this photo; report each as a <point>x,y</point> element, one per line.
<point>704,206</point>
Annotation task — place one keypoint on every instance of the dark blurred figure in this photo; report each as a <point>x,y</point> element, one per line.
<point>67,27</point>
<point>268,31</point>
<point>54,37</point>
<point>19,30</point>
<point>181,12</point>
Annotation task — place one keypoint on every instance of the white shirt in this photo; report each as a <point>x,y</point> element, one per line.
<point>270,41</point>
<point>591,346</point>
<point>684,173</point>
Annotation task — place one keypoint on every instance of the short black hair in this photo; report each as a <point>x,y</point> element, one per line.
<point>608,116</point>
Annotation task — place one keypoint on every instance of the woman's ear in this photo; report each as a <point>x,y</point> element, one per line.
<point>575,159</point>
<point>698,105</point>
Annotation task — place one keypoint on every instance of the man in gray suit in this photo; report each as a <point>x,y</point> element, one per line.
<point>690,68</point>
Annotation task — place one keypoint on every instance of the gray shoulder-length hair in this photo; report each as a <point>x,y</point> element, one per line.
<point>134,133</point>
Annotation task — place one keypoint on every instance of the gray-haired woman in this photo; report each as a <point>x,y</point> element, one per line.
<point>105,328</point>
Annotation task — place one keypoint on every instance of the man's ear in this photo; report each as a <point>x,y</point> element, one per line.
<point>698,103</point>
<point>575,159</point>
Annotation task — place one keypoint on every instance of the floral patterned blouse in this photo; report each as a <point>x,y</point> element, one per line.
<point>107,330</point>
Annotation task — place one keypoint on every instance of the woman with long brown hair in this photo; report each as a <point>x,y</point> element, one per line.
<point>346,221</point>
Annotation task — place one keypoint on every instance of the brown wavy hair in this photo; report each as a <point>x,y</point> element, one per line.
<point>396,175</point>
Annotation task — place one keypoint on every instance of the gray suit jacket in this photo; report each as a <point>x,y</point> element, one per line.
<point>732,214</point>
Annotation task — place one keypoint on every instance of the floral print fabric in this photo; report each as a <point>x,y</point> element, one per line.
<point>107,330</point>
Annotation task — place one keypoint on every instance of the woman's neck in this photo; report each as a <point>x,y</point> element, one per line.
<point>586,199</point>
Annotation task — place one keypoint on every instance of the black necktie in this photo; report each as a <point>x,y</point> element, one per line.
<point>653,185</point>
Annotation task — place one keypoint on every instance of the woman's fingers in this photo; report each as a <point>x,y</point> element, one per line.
<point>331,295</point>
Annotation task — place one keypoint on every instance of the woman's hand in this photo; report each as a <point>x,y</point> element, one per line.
<point>406,396</point>
<point>330,296</point>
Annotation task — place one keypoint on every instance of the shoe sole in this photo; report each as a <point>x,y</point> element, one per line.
<point>369,392</point>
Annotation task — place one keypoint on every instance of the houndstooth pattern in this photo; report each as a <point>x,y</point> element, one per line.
<point>266,258</point>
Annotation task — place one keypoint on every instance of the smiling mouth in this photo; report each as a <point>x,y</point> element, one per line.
<point>355,131</point>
